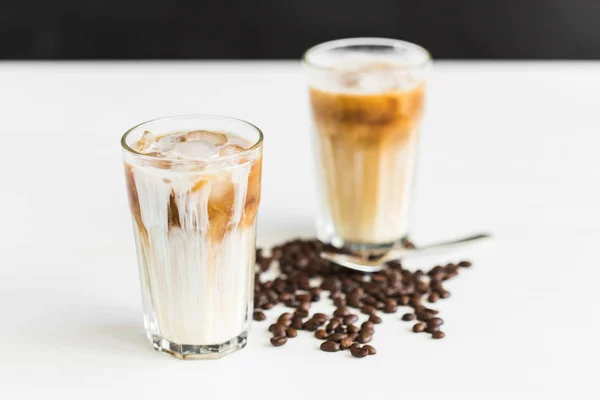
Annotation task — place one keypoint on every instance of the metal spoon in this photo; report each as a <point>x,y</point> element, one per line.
<point>370,263</point>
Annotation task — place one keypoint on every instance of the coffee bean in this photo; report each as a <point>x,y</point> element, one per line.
<point>341,312</point>
<point>297,323</point>
<point>330,346</point>
<point>370,349</point>
<point>444,294</point>
<point>285,316</point>
<point>301,313</point>
<point>279,330</point>
<point>341,329</point>
<point>341,302</point>
<point>283,297</point>
<point>431,329</point>
<point>433,297</point>
<point>285,322</point>
<point>465,264</point>
<point>350,319</point>
<point>278,341</point>
<point>268,306</point>
<point>304,298</point>
<point>364,338</point>
<point>352,328</point>
<point>375,319</point>
<point>346,343</point>
<point>332,325</point>
<point>336,295</point>
<point>368,324</point>
<point>435,322</point>
<point>311,325</point>
<point>404,299</point>
<point>438,335</point>
<point>305,306</point>
<point>419,327</point>
<point>368,310</point>
<point>389,309</point>
<point>259,316</point>
<point>320,317</point>
<point>358,352</point>
<point>337,337</point>
<point>353,336</point>
<point>321,334</point>
<point>291,332</point>
<point>408,317</point>
<point>380,305</point>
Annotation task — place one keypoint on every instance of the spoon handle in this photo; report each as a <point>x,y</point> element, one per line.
<point>398,253</point>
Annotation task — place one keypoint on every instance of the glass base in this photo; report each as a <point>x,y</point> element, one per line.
<point>199,352</point>
<point>362,248</point>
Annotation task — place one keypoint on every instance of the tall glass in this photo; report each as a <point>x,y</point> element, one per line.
<point>195,226</point>
<point>367,99</point>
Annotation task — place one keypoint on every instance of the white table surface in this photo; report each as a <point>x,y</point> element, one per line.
<point>510,148</point>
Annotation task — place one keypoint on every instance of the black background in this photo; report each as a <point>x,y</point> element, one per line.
<point>162,29</point>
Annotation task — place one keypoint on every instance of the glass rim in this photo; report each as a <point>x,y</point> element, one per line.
<point>372,41</point>
<point>255,146</point>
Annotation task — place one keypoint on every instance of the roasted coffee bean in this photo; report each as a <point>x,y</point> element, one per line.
<point>321,334</point>
<point>429,311</point>
<point>301,313</point>
<point>259,316</point>
<point>353,336</point>
<point>297,323</point>
<point>370,349</point>
<point>404,299</point>
<point>431,329</point>
<point>272,327</point>
<point>450,275</point>
<point>337,337</point>
<point>341,329</point>
<point>304,298</point>
<point>389,309</point>
<point>435,322</point>
<point>278,341</point>
<point>352,328</point>
<point>346,343</point>
<point>291,332</point>
<point>340,302</point>
<point>381,279</point>
<point>370,300</point>
<point>330,346</point>
<point>341,312</point>
<point>364,338</point>
<point>311,325</point>
<point>283,297</point>
<point>279,330</point>
<point>320,317</point>
<point>305,305</point>
<point>332,325</point>
<point>336,295</point>
<point>438,335</point>
<point>358,352</point>
<point>285,316</point>
<point>368,310</point>
<point>419,327</point>
<point>350,319</point>
<point>433,297</point>
<point>285,322</point>
<point>408,317</point>
<point>444,294</point>
<point>380,305</point>
<point>268,306</point>
<point>465,264</point>
<point>375,319</point>
<point>368,325</point>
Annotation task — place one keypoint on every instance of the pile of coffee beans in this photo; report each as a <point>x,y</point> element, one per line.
<point>303,278</point>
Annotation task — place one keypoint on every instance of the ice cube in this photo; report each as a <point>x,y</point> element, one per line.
<point>196,149</point>
<point>230,149</point>
<point>213,138</point>
<point>145,141</point>
<point>167,143</point>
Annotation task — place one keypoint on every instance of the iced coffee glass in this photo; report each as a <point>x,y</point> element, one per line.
<point>194,188</point>
<point>367,97</point>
